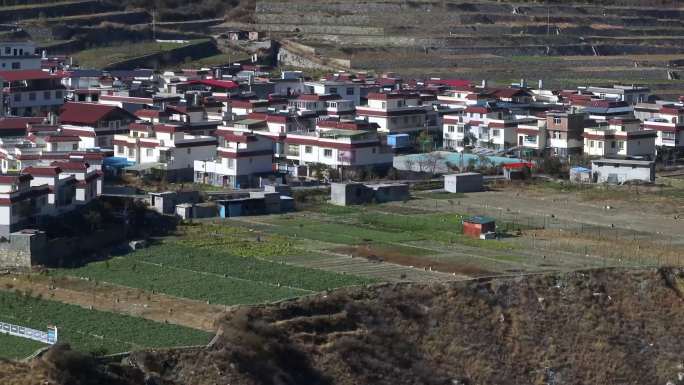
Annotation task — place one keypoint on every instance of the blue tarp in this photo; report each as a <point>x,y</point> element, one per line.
<point>115,162</point>
<point>580,169</point>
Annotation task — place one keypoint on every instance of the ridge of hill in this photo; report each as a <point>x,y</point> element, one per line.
<point>607,326</point>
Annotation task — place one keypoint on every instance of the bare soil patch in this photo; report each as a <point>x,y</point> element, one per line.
<point>382,253</point>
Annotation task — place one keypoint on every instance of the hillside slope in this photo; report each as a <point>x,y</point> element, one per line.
<point>593,327</point>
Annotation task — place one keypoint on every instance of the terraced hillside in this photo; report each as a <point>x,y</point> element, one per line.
<point>495,40</point>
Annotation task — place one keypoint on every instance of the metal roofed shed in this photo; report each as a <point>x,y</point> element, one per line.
<point>580,175</point>
<point>619,171</point>
<point>480,227</point>
<point>463,182</point>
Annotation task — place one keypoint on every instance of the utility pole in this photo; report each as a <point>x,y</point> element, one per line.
<point>548,20</point>
<point>154,29</point>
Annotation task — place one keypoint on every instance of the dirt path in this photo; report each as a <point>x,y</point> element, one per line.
<point>117,299</point>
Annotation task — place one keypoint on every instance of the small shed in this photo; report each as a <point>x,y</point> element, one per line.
<point>517,170</point>
<point>619,171</point>
<point>184,210</point>
<point>463,182</point>
<point>580,175</point>
<point>398,140</point>
<point>478,226</point>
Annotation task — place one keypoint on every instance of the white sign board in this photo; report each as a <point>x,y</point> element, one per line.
<point>47,337</point>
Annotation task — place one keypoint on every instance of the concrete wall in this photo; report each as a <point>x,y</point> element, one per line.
<point>193,51</point>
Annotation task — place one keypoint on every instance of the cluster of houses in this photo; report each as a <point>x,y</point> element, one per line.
<point>234,125</point>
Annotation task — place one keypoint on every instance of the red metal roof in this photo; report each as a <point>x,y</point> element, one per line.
<point>225,84</point>
<point>71,166</point>
<point>518,165</point>
<point>13,123</point>
<point>62,138</point>
<point>671,110</point>
<point>232,136</point>
<point>85,113</point>
<point>12,179</point>
<point>384,96</point>
<point>459,83</point>
<point>15,76</point>
<point>148,113</point>
<point>43,171</point>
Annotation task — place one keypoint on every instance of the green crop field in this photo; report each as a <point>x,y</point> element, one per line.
<point>217,263</point>
<point>101,57</point>
<point>16,347</point>
<point>88,330</point>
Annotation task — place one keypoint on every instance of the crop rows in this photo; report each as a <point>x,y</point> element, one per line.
<point>16,347</point>
<point>217,263</point>
<point>91,330</point>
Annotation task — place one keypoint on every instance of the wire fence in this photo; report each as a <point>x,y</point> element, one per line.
<point>614,245</point>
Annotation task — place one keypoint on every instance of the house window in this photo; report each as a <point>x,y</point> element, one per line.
<point>148,152</point>
<point>74,146</point>
<point>58,94</point>
<point>350,91</point>
<point>8,51</point>
<point>460,129</point>
<point>621,145</point>
<point>400,103</point>
<point>612,144</point>
<point>495,132</point>
<point>451,128</point>
<point>32,96</point>
<point>120,150</point>
<point>333,90</point>
<point>308,149</point>
<point>189,150</point>
<point>600,144</point>
<point>231,162</point>
<point>591,143</point>
<point>556,120</point>
<point>383,105</point>
<point>16,65</point>
<point>46,95</point>
<point>327,153</point>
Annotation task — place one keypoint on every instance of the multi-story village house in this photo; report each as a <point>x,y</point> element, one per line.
<point>95,124</point>
<point>31,92</point>
<point>668,123</point>
<point>395,113</point>
<point>619,137</point>
<point>164,147</point>
<point>241,159</point>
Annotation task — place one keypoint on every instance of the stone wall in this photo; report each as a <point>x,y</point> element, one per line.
<point>54,10</point>
<point>23,249</point>
<point>178,55</point>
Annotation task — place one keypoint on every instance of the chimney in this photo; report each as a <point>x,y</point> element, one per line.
<point>522,83</point>
<point>484,83</point>
<point>541,84</point>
